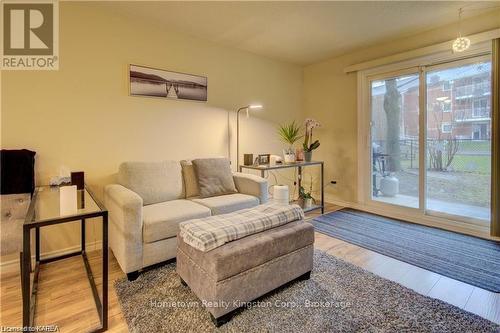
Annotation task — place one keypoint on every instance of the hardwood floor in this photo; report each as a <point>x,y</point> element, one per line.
<point>65,299</point>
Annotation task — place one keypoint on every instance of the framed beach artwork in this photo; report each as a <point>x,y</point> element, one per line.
<point>145,81</point>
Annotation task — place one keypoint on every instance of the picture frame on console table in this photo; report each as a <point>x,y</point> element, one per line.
<point>153,82</point>
<point>264,159</point>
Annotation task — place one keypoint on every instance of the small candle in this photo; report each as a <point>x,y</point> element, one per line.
<point>281,194</point>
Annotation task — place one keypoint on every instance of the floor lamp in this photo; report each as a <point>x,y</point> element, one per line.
<point>247,108</point>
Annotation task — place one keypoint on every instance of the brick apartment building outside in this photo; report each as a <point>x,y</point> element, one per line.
<point>459,104</point>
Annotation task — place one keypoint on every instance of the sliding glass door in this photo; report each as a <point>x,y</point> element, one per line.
<point>394,139</point>
<point>458,134</point>
<point>441,167</point>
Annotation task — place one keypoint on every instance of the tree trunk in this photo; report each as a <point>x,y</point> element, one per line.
<point>392,107</point>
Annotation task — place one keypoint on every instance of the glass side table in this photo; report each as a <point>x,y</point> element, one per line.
<point>44,210</point>
<point>296,165</point>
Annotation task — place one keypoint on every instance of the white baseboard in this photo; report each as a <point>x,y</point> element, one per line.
<point>330,199</point>
<point>11,266</point>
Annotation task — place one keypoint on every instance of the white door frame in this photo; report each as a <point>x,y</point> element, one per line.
<point>419,215</point>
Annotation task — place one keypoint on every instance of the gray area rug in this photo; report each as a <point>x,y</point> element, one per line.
<point>469,259</point>
<point>339,297</point>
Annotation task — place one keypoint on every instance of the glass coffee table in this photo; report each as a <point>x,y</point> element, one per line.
<point>45,210</point>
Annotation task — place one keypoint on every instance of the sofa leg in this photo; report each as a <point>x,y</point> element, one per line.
<point>218,322</point>
<point>132,276</point>
<point>183,282</point>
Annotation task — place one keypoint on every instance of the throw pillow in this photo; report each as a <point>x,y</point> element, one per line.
<point>214,177</point>
<point>190,179</point>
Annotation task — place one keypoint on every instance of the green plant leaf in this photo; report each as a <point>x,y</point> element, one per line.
<point>314,145</point>
<point>303,194</point>
<point>289,133</point>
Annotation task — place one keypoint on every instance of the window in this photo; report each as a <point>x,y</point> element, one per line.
<point>477,81</point>
<point>446,128</point>
<point>447,106</point>
<point>480,108</point>
<point>447,85</point>
<point>394,153</point>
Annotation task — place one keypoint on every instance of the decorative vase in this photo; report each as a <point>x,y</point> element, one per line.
<point>308,203</point>
<point>308,156</point>
<point>305,203</point>
<point>289,155</point>
<point>247,159</point>
<point>299,154</point>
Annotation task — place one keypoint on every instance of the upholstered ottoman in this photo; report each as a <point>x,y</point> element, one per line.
<point>242,270</point>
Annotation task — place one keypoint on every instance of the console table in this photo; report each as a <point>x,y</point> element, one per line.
<point>44,210</point>
<point>298,166</point>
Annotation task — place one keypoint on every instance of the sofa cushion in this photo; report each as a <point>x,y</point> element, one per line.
<point>190,180</point>
<point>214,176</point>
<point>153,181</point>
<point>162,220</point>
<point>249,252</point>
<point>224,204</point>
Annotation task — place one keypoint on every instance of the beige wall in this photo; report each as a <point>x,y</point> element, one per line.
<point>82,117</point>
<point>330,96</point>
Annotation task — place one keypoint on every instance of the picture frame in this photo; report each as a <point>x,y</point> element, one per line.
<point>154,82</point>
<point>264,159</point>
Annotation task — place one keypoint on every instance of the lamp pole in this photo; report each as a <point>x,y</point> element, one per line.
<point>247,107</point>
<point>238,136</point>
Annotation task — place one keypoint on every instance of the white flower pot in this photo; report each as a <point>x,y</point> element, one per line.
<point>308,203</point>
<point>289,156</point>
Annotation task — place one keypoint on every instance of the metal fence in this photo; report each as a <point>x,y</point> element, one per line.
<point>466,155</point>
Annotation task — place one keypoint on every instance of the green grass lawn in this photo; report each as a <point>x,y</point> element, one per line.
<point>460,187</point>
<point>466,181</point>
<point>475,145</point>
<point>461,163</point>
<point>473,164</point>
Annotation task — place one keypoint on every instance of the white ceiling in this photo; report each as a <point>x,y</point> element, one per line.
<point>301,32</point>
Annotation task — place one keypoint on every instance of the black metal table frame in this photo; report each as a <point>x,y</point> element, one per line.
<point>298,166</point>
<point>29,292</point>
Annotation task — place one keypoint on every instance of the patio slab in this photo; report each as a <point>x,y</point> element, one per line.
<point>459,209</point>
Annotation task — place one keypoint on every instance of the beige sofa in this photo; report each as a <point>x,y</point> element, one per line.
<point>152,198</point>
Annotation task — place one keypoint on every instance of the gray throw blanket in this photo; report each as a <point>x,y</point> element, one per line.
<point>208,233</point>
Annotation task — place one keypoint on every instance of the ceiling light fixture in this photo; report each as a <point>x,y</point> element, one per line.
<point>461,43</point>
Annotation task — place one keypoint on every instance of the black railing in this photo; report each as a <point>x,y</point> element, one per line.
<point>465,155</point>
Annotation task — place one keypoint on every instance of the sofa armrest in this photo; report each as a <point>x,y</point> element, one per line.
<point>252,185</point>
<point>125,237</point>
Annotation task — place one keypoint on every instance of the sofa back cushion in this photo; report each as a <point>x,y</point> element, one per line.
<point>190,180</point>
<point>214,176</point>
<point>153,181</point>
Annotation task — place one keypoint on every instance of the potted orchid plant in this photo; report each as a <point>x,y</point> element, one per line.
<point>305,198</point>
<point>289,134</point>
<point>308,144</point>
